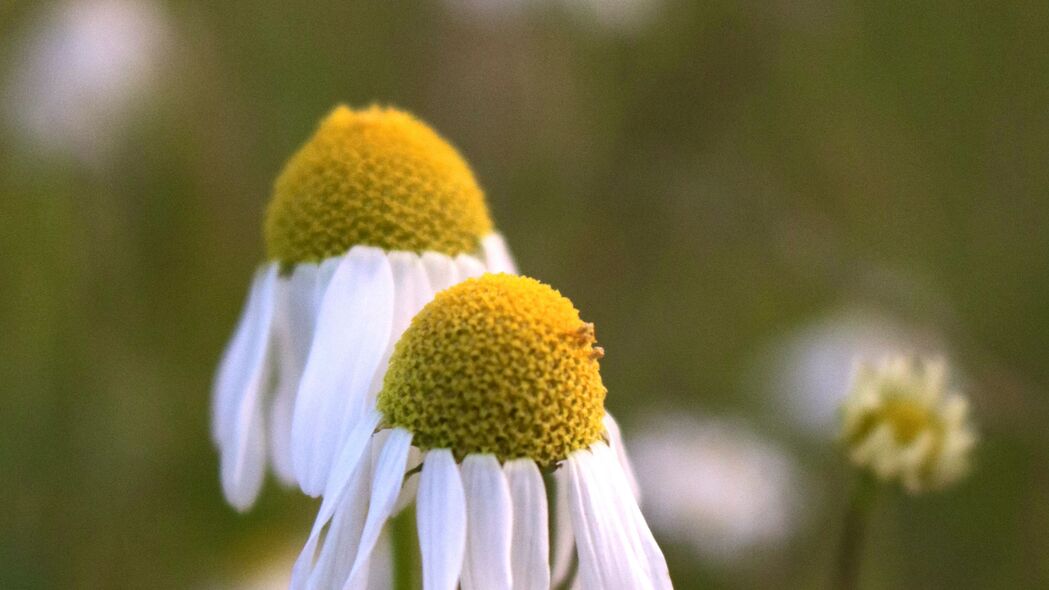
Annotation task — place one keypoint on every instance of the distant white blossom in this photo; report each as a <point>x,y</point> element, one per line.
<point>716,486</point>
<point>901,421</point>
<point>806,373</point>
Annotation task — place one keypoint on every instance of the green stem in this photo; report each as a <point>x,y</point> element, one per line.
<point>405,546</point>
<point>857,515</point>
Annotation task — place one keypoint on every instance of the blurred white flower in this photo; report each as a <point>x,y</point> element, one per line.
<point>717,486</point>
<point>901,422</point>
<point>81,70</point>
<point>807,372</point>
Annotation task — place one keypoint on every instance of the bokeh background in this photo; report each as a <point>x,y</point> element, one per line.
<point>741,195</point>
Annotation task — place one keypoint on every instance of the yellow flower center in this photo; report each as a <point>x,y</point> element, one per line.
<point>500,364</point>
<point>907,418</point>
<point>376,177</point>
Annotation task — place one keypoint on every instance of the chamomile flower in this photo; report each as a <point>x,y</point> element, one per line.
<point>494,384</point>
<point>373,215</point>
<point>901,422</point>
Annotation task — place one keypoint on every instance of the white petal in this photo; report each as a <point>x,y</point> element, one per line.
<point>489,517</point>
<point>239,388</point>
<point>411,483</point>
<point>411,289</point>
<point>497,255</point>
<point>244,465</point>
<point>353,330</point>
<point>380,570</point>
<point>344,534</point>
<point>350,468</point>
<point>441,520</point>
<point>354,451</point>
<point>442,271</point>
<point>640,535</point>
<point>386,484</point>
<point>293,330</point>
<point>615,440</point>
<point>347,499</point>
<point>530,548</point>
<point>564,539</point>
<point>234,370</point>
<point>469,267</point>
<point>607,558</point>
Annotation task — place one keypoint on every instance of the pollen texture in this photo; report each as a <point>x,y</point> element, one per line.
<point>375,177</point>
<point>499,364</point>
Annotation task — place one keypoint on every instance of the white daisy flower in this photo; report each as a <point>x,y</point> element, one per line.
<point>493,385</point>
<point>807,371</point>
<point>900,421</point>
<point>368,220</point>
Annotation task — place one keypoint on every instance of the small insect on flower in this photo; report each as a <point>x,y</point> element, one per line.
<point>372,216</point>
<point>494,383</point>
<point>901,422</point>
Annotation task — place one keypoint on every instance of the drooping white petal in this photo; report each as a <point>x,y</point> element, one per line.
<point>530,547</point>
<point>469,267</point>
<point>497,254</point>
<point>564,539</point>
<point>489,517</point>
<point>386,484</point>
<point>411,291</point>
<point>234,370</point>
<point>441,520</point>
<point>442,271</point>
<point>655,565</point>
<point>240,385</point>
<point>411,483</point>
<point>244,465</point>
<point>380,568</point>
<point>607,558</point>
<point>350,468</point>
<point>325,271</point>
<point>293,330</point>
<point>615,440</point>
<point>352,333</point>
<point>343,538</point>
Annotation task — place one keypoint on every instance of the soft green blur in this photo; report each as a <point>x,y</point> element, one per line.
<point>702,180</point>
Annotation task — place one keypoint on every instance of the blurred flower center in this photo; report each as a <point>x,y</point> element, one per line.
<point>908,419</point>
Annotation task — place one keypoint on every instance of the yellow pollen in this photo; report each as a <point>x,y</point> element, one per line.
<point>376,177</point>
<point>499,364</point>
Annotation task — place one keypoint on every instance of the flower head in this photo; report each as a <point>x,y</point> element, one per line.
<point>499,365</point>
<point>370,218</point>
<point>375,177</point>
<point>493,382</point>
<point>900,421</point>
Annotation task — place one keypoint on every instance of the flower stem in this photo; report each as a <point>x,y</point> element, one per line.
<point>847,573</point>
<point>403,541</point>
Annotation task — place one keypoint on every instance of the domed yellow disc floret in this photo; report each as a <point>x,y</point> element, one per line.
<point>376,177</point>
<point>500,364</point>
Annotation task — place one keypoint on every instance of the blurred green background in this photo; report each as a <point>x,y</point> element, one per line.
<point>738,194</point>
